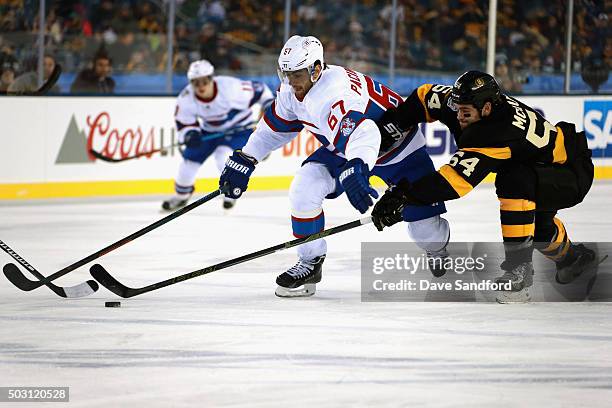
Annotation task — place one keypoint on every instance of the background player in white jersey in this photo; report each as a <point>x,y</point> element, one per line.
<point>338,106</point>
<point>213,116</point>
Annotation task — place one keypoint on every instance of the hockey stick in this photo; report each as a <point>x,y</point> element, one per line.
<point>80,290</point>
<point>17,278</point>
<point>55,74</point>
<point>112,284</point>
<point>100,156</point>
<point>210,136</point>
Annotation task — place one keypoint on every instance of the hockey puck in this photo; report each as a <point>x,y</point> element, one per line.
<point>112,304</point>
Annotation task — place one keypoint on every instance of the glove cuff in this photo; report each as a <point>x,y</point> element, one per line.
<point>402,188</point>
<point>246,156</point>
<point>358,161</point>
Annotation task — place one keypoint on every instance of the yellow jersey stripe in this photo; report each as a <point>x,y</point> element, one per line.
<point>559,240</point>
<point>515,204</point>
<point>458,183</point>
<point>559,153</point>
<point>422,92</point>
<point>518,231</point>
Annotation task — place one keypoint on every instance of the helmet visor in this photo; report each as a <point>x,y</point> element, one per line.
<point>286,76</point>
<point>201,81</point>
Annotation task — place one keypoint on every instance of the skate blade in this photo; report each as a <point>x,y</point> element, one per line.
<point>520,296</point>
<point>302,291</point>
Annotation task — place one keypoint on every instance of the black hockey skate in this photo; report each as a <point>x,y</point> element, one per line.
<point>520,278</point>
<point>578,259</point>
<point>176,202</point>
<point>436,261</point>
<point>301,279</point>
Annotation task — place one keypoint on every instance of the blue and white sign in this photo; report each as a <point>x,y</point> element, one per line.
<point>597,124</point>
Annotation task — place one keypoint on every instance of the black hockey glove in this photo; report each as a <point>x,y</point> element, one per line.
<point>235,177</point>
<point>388,210</point>
<point>192,139</point>
<point>390,129</point>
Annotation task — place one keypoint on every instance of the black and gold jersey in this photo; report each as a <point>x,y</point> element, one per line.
<point>513,132</point>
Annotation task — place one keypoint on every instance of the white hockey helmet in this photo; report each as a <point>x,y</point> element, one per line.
<point>199,69</point>
<point>300,53</point>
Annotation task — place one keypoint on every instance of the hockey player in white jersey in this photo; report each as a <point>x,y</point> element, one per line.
<point>213,117</point>
<point>339,106</point>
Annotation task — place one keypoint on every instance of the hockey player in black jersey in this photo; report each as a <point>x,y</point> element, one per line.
<point>540,168</point>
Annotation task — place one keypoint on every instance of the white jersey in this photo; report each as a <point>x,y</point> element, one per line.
<point>339,110</point>
<point>229,107</point>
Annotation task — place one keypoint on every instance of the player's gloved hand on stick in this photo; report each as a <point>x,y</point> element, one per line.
<point>235,176</point>
<point>192,138</point>
<point>355,180</point>
<point>388,210</point>
<point>390,129</point>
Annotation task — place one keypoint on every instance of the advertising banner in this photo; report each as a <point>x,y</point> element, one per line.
<point>50,139</point>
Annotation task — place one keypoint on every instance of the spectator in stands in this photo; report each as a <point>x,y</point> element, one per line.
<point>226,58</point>
<point>211,11</point>
<point>268,36</point>
<point>227,32</point>
<point>28,81</point>
<point>141,60</point>
<point>307,16</point>
<point>104,13</point>
<point>123,21</point>
<point>433,60</point>
<point>7,76</point>
<point>9,66</point>
<point>208,40</point>
<point>95,80</point>
<point>418,45</point>
<point>504,76</point>
<point>183,39</point>
<point>10,19</point>
<point>122,49</point>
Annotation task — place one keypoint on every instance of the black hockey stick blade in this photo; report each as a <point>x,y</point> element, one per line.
<point>17,278</point>
<point>102,157</point>
<point>77,291</point>
<point>12,271</point>
<point>109,282</point>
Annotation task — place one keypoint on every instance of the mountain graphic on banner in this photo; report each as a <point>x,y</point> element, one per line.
<point>74,146</point>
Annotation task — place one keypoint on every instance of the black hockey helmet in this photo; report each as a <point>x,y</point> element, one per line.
<point>476,88</point>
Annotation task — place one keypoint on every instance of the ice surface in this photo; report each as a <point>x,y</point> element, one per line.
<point>225,340</point>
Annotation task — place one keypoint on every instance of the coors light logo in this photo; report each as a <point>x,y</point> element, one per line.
<point>107,139</point>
